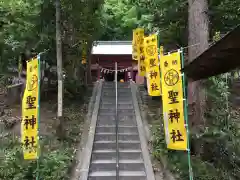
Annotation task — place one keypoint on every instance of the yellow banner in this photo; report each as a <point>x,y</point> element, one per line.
<point>134,45</point>
<point>30,110</point>
<point>84,55</point>
<point>138,35</point>
<point>152,65</point>
<point>84,60</point>
<point>141,56</point>
<point>138,50</point>
<point>172,98</point>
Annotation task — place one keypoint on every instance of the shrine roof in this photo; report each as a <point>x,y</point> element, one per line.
<point>220,58</point>
<point>112,48</point>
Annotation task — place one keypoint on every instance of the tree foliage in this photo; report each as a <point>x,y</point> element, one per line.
<point>168,17</point>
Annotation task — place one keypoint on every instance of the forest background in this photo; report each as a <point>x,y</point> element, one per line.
<point>28,27</point>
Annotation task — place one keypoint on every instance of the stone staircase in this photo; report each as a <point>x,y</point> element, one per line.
<point>106,152</point>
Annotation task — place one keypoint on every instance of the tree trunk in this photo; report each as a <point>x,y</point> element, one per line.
<point>60,130</point>
<point>198,42</point>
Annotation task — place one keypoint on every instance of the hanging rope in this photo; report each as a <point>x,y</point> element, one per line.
<point>105,70</point>
<point>186,47</point>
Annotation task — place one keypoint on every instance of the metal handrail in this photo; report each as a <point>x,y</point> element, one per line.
<point>116,120</point>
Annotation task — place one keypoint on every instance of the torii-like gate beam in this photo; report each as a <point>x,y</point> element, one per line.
<point>219,58</point>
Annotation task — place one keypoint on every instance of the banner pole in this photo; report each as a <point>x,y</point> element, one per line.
<point>37,176</point>
<point>39,86</point>
<point>160,55</point>
<point>186,118</point>
<point>159,52</point>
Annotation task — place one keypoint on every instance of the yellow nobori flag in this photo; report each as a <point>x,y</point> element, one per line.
<point>134,45</point>
<point>141,56</point>
<point>152,65</point>
<point>84,60</point>
<point>136,41</point>
<point>84,55</point>
<point>30,111</point>
<point>172,98</point>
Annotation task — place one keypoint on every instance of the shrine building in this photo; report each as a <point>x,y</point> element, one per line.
<point>103,57</point>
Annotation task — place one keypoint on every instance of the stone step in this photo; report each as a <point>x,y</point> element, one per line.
<point>107,111</point>
<point>126,111</point>
<point>112,129</point>
<point>111,154</point>
<point>123,175</point>
<point>103,145</point>
<point>110,165</point>
<point>113,123</point>
<point>112,82</point>
<point>112,102</point>
<point>112,86</point>
<point>120,106</point>
<point>120,89</point>
<point>112,137</point>
<point>129,102</point>
<point>121,117</point>
<point>120,96</point>
<point>110,98</point>
<point>112,93</point>
<point>111,112</point>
